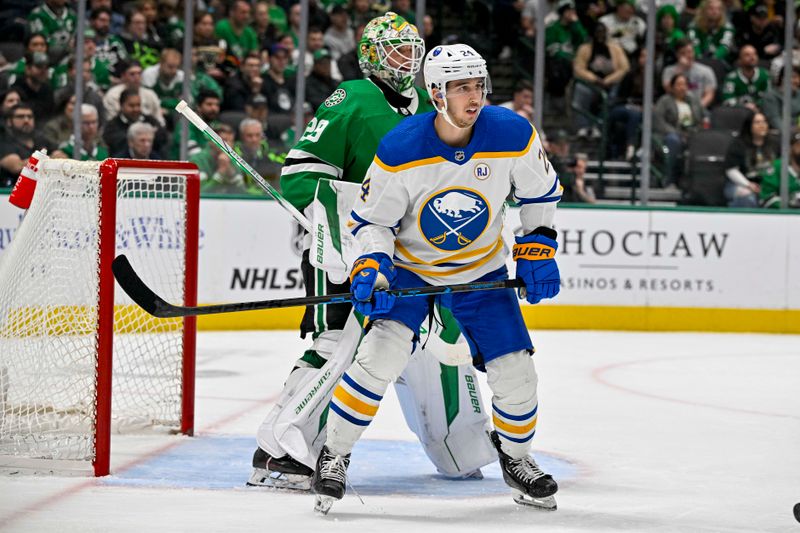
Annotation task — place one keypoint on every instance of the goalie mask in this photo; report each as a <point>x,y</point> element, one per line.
<point>391,49</point>
<point>450,63</point>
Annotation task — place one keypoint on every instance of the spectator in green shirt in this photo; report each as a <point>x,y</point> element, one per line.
<point>562,39</point>
<point>218,174</point>
<point>91,149</point>
<point>771,181</point>
<point>748,84</point>
<point>711,33</point>
<point>207,106</point>
<point>56,21</point>
<point>240,38</point>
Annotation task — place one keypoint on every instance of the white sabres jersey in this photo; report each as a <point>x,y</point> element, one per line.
<point>438,210</point>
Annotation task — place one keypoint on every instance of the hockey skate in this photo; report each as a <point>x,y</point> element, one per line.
<point>329,479</point>
<point>279,472</point>
<point>530,486</point>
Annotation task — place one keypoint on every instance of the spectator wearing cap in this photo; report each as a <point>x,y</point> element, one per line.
<point>562,39</point>
<point>109,47</point>
<point>667,34</point>
<point>99,74</point>
<point>711,33</point>
<point>240,38</point>
<point>758,31</point>
<point>256,108</point>
<point>19,141</point>
<point>522,100</point>
<point>770,194</point>
<point>624,26</point>
<point>56,21</point>
<point>130,76</point>
<point>254,148</point>
<point>34,86</point>
<point>320,82</point>
<point>279,88</point>
<point>138,44</point>
<point>131,112</point>
<point>218,174</point>
<point>747,85</point>
<point>339,38</point>
<point>574,182</point>
<point>91,148</point>
<point>702,81</point>
<point>247,81</point>
<point>207,105</point>
<point>315,42</point>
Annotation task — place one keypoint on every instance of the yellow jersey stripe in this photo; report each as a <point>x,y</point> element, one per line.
<point>519,430</point>
<point>456,270</point>
<point>410,164</point>
<point>492,155</point>
<point>354,403</point>
<point>455,257</point>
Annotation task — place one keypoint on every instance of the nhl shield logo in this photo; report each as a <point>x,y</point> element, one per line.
<point>453,218</point>
<point>459,155</point>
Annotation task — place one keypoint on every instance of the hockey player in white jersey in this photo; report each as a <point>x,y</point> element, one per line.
<point>430,212</point>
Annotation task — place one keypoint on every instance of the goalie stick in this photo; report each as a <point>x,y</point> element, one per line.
<point>184,109</point>
<point>153,304</point>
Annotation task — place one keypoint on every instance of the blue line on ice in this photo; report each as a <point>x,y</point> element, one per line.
<point>378,467</point>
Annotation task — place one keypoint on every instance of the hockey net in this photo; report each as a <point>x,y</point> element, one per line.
<point>64,326</point>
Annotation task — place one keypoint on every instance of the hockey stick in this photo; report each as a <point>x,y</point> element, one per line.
<point>184,109</point>
<point>153,304</point>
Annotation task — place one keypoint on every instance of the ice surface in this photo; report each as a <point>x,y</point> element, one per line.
<point>644,432</point>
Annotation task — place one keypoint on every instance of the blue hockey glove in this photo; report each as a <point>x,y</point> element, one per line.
<point>536,265</point>
<point>370,273</point>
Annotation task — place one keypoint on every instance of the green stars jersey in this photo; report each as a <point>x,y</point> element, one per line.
<point>738,90</point>
<point>57,29</point>
<point>239,45</point>
<point>340,141</point>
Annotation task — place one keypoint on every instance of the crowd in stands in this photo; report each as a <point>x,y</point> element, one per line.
<point>718,65</point>
<point>711,55</point>
<point>244,63</point>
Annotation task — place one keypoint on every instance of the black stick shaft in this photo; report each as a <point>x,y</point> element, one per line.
<point>148,300</point>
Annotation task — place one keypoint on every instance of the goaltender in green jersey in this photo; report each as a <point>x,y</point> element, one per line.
<point>339,143</point>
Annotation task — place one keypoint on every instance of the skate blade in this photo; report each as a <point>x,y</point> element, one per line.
<point>278,480</point>
<point>548,503</point>
<point>323,504</point>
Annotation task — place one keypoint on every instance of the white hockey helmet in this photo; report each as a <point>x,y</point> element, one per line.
<point>453,62</point>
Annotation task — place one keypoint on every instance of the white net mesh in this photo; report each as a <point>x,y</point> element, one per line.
<point>49,295</point>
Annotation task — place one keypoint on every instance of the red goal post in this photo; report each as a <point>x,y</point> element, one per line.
<point>77,357</point>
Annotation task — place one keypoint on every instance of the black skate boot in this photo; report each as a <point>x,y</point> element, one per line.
<point>329,479</point>
<point>530,485</point>
<point>279,472</point>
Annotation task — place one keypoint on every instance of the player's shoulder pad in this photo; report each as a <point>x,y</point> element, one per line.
<point>405,144</point>
<point>505,131</point>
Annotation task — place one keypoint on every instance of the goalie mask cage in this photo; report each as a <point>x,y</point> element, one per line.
<point>68,338</point>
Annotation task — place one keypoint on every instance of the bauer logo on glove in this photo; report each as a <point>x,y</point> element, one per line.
<point>536,265</point>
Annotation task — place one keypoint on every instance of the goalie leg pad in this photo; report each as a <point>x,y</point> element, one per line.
<point>382,356</point>
<point>513,381</point>
<point>443,407</point>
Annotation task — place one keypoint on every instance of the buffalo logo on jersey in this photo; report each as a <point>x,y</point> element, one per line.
<point>453,218</point>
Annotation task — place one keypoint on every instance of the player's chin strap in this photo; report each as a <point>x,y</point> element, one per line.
<point>443,111</point>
